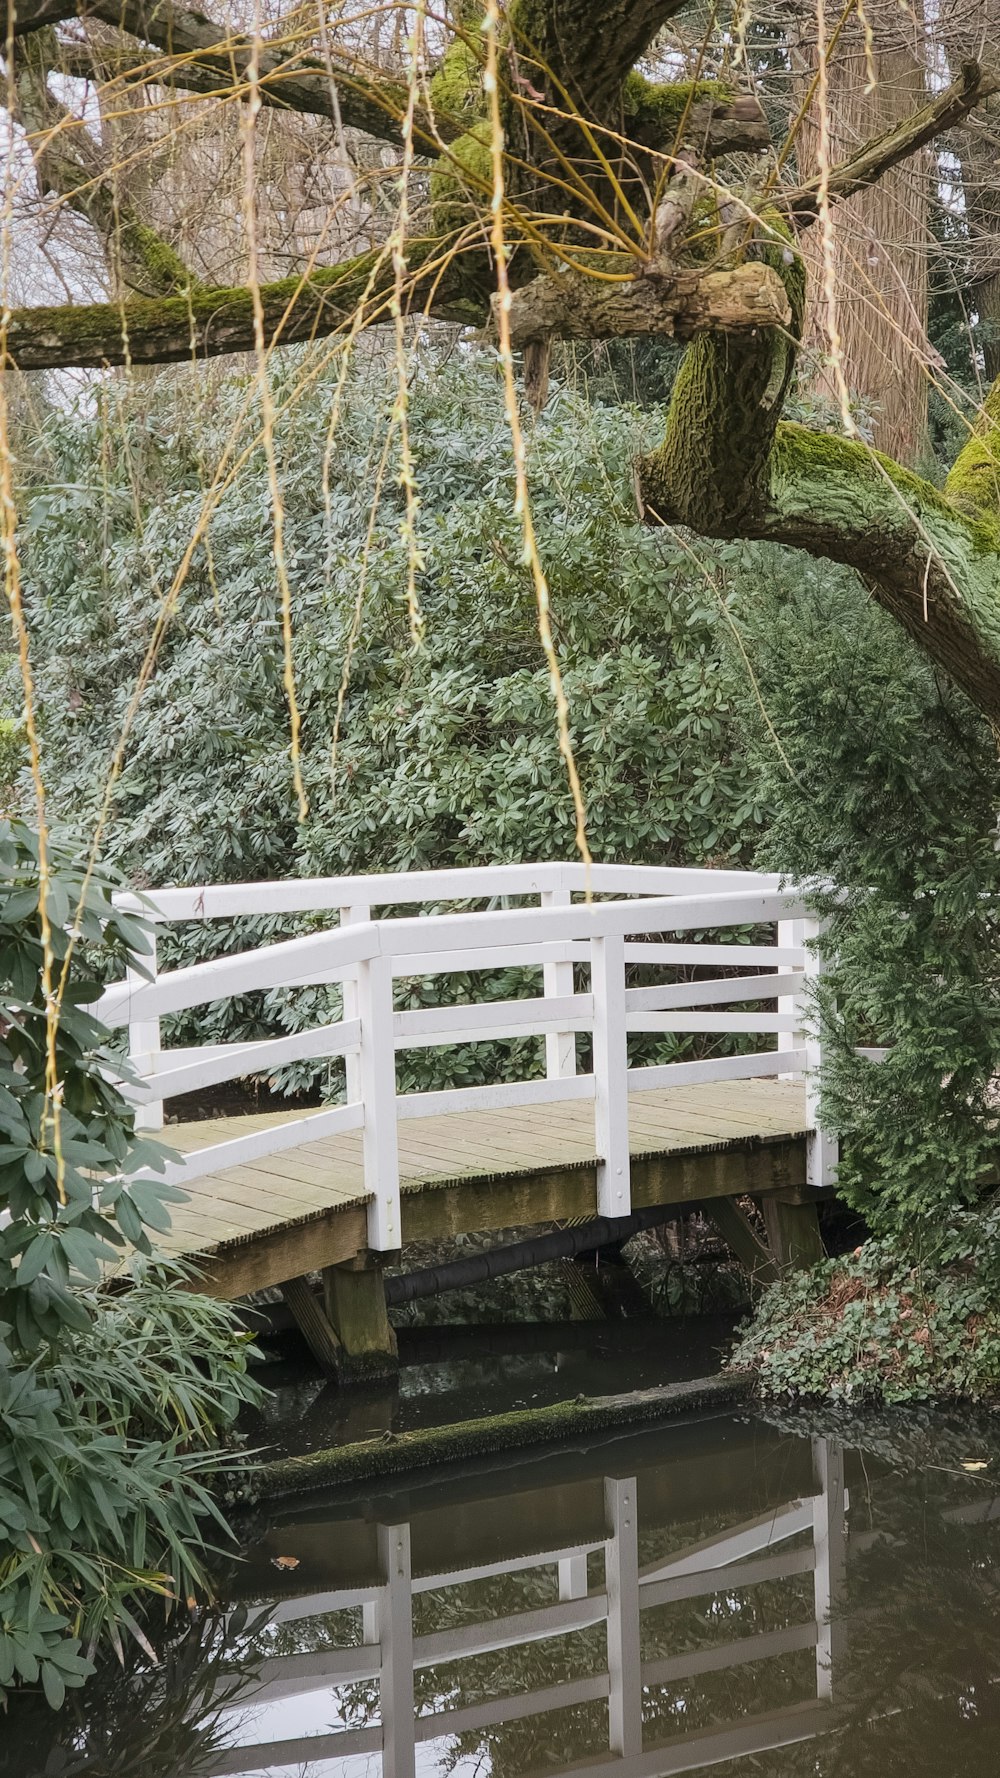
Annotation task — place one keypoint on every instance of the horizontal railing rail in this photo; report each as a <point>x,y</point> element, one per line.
<point>648,917</point>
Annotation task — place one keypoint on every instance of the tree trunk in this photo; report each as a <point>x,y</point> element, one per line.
<point>880,236</point>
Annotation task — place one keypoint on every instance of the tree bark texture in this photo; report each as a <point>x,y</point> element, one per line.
<point>880,236</point>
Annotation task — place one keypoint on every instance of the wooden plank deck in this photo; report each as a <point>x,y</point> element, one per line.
<point>281,1216</point>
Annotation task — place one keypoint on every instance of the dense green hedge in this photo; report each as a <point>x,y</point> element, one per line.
<point>448,752</point>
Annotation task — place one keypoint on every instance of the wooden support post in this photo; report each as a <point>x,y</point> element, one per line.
<point>354,1297</point>
<point>313,1324</point>
<point>830,1573</point>
<point>607,970</point>
<point>739,1234</point>
<point>557,978</point>
<point>822,1149</point>
<point>395,1635</point>
<point>573,1581</point>
<point>793,1233</point>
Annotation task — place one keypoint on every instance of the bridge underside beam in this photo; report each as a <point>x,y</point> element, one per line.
<point>560,1194</point>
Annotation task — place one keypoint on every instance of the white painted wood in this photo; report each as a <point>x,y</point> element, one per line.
<point>510,1632</point>
<point>565,1696</point>
<point>822,1148</point>
<point>466,883</point>
<point>723,1580</point>
<point>143,1041</point>
<point>364,955</point>
<point>712,1021</point>
<point>732,1546</point>
<point>791,934</point>
<point>486,1021</point>
<point>830,1573</point>
<point>494,1098</point>
<point>685,1074</point>
<point>354,914</point>
<point>607,972</point>
<point>729,989</point>
<point>291,961</point>
<point>573,1576</point>
<point>621,1564</point>
<point>238,1151</point>
<point>722,1657</point>
<point>234,1061</point>
<point>560,1046</point>
<point>716,1746</point>
<point>378,1093</point>
<point>298,960</point>
<point>460,1577</point>
<point>395,1623</point>
<point>722,956</point>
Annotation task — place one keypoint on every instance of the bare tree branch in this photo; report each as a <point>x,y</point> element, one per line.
<point>70,162</point>
<point>973,86</point>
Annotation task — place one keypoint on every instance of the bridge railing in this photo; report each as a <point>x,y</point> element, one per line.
<point>623,924</point>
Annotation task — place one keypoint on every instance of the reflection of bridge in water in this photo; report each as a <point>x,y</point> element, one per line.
<point>604,1578</point>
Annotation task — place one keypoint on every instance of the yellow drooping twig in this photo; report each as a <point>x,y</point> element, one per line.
<point>522,501</point>
<point>249,120</point>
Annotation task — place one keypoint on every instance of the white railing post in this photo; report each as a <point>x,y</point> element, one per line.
<point>607,971</point>
<point>791,936</point>
<point>352,916</point>
<point>144,1040</point>
<point>621,1565</point>
<point>557,978</point>
<point>395,1627</point>
<point>822,1150</point>
<point>830,1572</point>
<point>378,1095</point>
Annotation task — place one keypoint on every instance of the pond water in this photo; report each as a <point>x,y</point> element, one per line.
<point>719,1594</point>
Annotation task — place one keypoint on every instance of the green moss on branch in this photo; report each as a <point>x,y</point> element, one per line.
<point>209,323</point>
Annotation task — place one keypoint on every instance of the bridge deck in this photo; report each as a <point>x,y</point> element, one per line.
<point>275,1218</point>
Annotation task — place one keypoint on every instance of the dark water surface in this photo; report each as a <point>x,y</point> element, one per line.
<point>454,1373</point>
<point>723,1594</point>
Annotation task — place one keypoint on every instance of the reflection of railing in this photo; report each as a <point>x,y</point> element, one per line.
<point>364,955</point>
<point>747,1555</point>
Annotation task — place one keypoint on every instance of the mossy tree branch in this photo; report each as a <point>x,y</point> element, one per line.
<point>210,323</point>
<point>728,466</point>
<point>876,158</point>
<point>69,161</point>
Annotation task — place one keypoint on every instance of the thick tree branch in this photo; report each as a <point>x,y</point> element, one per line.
<point>209,323</point>
<point>375,103</point>
<point>18,18</point>
<point>678,302</point>
<point>71,163</point>
<point>205,54</point>
<point>973,86</point>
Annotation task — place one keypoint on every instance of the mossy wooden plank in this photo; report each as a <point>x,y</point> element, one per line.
<point>482,1170</point>
<point>286,1251</point>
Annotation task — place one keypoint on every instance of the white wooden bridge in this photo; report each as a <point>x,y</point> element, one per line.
<point>280,1194</point>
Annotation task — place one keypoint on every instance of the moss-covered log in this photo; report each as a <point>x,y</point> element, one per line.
<point>394,1455</point>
